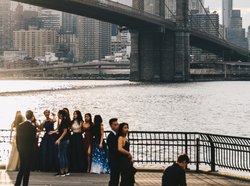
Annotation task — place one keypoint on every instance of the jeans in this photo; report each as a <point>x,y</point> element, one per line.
<point>62,154</point>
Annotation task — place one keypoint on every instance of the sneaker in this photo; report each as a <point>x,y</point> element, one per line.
<point>67,173</point>
<point>59,174</point>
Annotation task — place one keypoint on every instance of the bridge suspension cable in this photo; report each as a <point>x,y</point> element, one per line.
<point>171,12</point>
<point>203,7</point>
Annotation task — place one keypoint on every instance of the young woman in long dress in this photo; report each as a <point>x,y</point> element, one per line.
<point>99,162</point>
<point>77,154</point>
<point>125,157</point>
<point>14,160</point>
<point>87,127</point>
<point>48,154</point>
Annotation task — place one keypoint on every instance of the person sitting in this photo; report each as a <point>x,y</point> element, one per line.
<point>174,175</point>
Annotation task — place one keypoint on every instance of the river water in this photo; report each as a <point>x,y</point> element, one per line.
<point>210,107</point>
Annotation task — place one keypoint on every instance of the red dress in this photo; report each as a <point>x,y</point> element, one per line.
<point>87,137</point>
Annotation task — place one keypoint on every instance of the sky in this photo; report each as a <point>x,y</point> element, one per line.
<point>243,5</point>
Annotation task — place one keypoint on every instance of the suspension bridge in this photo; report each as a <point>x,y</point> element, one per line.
<point>160,45</point>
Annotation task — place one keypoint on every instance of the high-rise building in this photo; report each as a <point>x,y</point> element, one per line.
<point>227,7</point>
<point>66,46</point>
<point>5,26</point>
<point>208,24</point>
<point>35,42</point>
<point>68,23</point>
<point>248,37</point>
<point>51,19</point>
<point>235,33</point>
<point>194,5</point>
<point>94,39</point>
<point>115,30</point>
<point>23,19</point>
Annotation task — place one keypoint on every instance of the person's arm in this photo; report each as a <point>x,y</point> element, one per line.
<point>65,130</point>
<point>18,140</point>
<point>101,138</point>
<point>11,130</point>
<point>182,178</point>
<point>53,119</point>
<point>164,178</point>
<point>112,143</point>
<point>121,149</point>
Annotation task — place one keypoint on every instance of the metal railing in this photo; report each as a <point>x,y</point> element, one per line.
<point>155,148</point>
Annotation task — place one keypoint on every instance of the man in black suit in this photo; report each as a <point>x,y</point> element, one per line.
<point>113,157</point>
<point>25,139</point>
<point>175,175</point>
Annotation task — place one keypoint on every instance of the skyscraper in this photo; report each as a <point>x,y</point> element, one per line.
<point>51,19</point>
<point>94,38</point>
<point>5,26</point>
<point>248,37</point>
<point>196,5</point>
<point>170,7</point>
<point>208,24</point>
<point>235,33</point>
<point>227,7</point>
<point>68,23</point>
<point>232,22</point>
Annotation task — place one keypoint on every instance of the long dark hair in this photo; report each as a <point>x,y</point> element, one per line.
<point>90,118</point>
<point>97,126</point>
<point>63,113</point>
<point>120,130</point>
<point>79,117</point>
<point>67,115</point>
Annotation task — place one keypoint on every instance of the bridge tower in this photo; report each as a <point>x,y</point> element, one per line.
<point>157,54</point>
<point>182,46</point>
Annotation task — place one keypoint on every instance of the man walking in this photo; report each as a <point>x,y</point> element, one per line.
<point>25,139</point>
<point>174,175</point>
<point>113,157</point>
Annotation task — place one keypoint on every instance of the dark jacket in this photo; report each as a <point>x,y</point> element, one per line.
<point>112,142</point>
<point>174,175</point>
<point>26,138</point>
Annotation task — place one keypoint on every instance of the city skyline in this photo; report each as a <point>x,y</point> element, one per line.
<point>243,5</point>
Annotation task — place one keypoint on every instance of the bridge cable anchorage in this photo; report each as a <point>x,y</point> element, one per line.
<point>203,7</point>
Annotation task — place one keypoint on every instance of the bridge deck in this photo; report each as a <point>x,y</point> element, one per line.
<point>142,179</point>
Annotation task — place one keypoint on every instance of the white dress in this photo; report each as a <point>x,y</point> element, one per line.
<point>14,161</point>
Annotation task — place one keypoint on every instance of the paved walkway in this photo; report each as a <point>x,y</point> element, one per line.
<point>142,179</point>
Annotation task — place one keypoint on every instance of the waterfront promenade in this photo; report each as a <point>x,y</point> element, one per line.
<point>148,178</point>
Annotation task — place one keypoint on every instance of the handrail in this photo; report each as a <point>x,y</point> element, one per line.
<point>160,147</point>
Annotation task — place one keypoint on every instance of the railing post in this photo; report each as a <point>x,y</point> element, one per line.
<point>212,154</point>
<point>197,154</point>
<point>186,144</point>
<point>186,147</point>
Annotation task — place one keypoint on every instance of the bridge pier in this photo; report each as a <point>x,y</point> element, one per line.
<point>152,55</point>
<point>181,71</point>
<point>182,38</point>
<point>157,55</point>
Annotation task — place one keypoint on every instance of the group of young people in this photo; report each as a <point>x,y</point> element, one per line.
<point>71,145</point>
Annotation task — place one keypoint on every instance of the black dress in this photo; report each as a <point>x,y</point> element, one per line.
<point>48,153</point>
<point>77,154</point>
<point>126,168</point>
